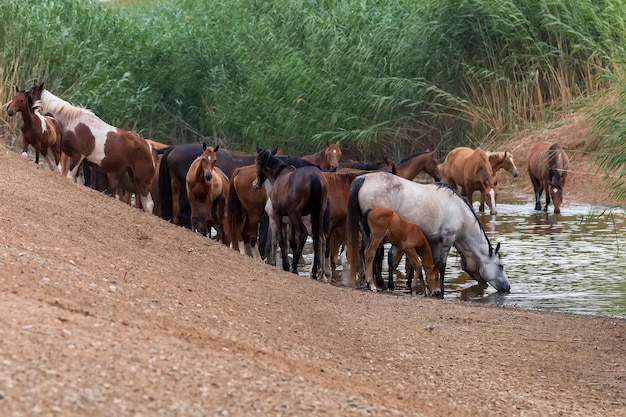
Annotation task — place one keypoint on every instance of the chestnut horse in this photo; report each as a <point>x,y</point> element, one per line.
<point>412,165</point>
<point>207,190</point>
<point>471,170</point>
<point>296,192</point>
<point>547,169</point>
<point>114,151</point>
<point>328,158</point>
<point>173,171</point>
<point>384,225</point>
<point>41,132</point>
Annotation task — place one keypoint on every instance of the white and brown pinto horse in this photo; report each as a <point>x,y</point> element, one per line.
<point>446,219</point>
<point>114,151</point>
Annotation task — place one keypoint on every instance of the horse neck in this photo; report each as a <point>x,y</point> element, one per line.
<point>426,255</point>
<point>198,173</point>
<point>411,167</point>
<point>473,240</point>
<point>497,163</point>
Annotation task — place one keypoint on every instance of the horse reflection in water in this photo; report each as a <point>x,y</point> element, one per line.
<point>445,218</point>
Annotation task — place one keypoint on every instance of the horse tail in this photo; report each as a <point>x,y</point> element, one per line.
<point>352,227</point>
<point>235,216</point>
<point>317,205</point>
<point>165,187</point>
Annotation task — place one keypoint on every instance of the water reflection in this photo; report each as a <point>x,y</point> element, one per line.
<point>573,261</point>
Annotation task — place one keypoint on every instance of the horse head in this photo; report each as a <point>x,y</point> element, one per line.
<point>332,153</point>
<point>487,268</point>
<point>208,158</point>
<point>556,190</point>
<point>19,102</point>
<point>432,167</point>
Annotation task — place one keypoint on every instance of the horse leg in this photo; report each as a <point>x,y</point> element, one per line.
<point>416,263</point>
<point>278,222</point>
<point>74,166</point>
<point>299,234</point>
<point>370,253</point>
<point>378,267</point>
<point>24,147</point>
<point>537,184</point>
<point>546,187</point>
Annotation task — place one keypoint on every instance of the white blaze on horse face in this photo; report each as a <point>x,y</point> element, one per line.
<point>492,196</point>
<point>555,190</point>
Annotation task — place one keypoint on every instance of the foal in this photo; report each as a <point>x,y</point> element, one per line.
<point>41,132</point>
<point>207,190</point>
<point>384,224</point>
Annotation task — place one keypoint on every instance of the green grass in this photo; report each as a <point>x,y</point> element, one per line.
<point>383,77</point>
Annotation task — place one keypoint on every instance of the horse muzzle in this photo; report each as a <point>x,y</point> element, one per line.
<point>208,177</point>
<point>9,111</point>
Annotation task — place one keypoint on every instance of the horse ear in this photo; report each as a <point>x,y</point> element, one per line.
<point>498,247</point>
<point>203,146</point>
<point>337,143</point>
<point>17,89</point>
<point>274,151</point>
<point>217,148</point>
<point>258,148</point>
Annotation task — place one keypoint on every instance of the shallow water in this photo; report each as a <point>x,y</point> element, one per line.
<point>571,262</point>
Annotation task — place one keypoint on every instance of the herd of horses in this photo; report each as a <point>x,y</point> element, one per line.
<point>258,201</point>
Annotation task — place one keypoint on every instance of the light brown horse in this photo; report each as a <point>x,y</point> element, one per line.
<point>471,170</point>
<point>116,152</point>
<point>207,190</point>
<point>41,132</point>
<point>385,225</point>
<point>547,168</point>
<point>328,158</point>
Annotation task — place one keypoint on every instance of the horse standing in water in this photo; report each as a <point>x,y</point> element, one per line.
<point>471,170</point>
<point>384,224</point>
<point>547,169</point>
<point>114,151</point>
<point>446,219</point>
<point>41,132</point>
<point>207,190</point>
<point>296,192</point>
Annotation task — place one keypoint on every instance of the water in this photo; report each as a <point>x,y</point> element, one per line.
<point>571,262</point>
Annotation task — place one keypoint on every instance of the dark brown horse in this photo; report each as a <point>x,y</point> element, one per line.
<point>41,132</point>
<point>547,168</point>
<point>296,192</point>
<point>115,151</point>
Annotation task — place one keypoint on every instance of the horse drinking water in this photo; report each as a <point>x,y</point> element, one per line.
<point>446,219</point>
<point>114,151</point>
<point>547,169</point>
<point>41,132</point>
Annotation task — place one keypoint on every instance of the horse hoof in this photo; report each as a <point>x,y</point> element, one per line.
<point>557,211</point>
<point>538,207</point>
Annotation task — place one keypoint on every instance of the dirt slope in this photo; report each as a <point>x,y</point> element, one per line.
<point>108,311</point>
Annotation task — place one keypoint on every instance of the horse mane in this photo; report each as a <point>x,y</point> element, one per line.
<point>295,162</point>
<point>553,172</point>
<point>62,109</point>
<point>413,156</point>
<point>467,204</point>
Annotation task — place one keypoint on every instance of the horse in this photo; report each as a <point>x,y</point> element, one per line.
<point>207,190</point>
<point>547,168</point>
<point>173,172</point>
<point>384,224</point>
<point>471,170</point>
<point>246,208</point>
<point>296,192</point>
<point>502,160</point>
<point>41,132</point>
<point>386,165</point>
<point>115,151</point>
<point>412,165</point>
<point>328,158</point>
<point>446,219</point>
